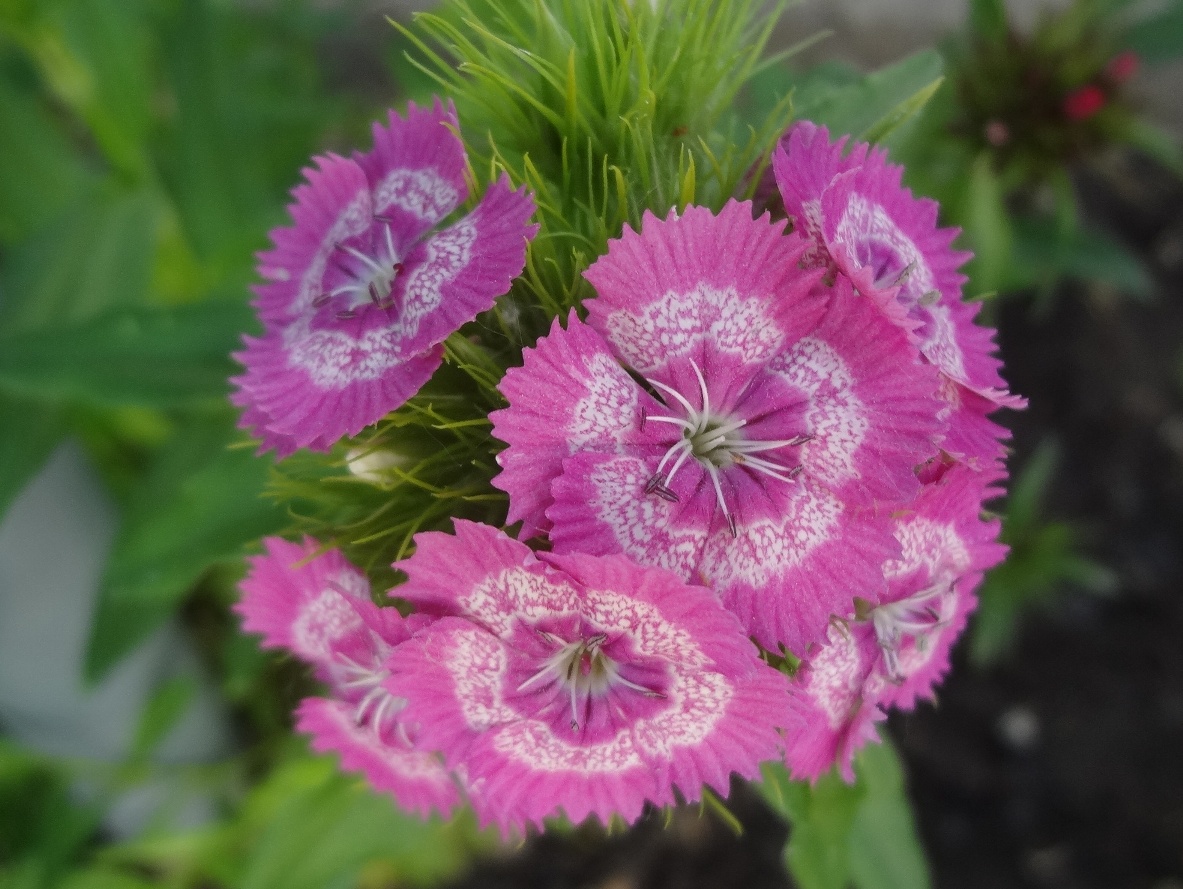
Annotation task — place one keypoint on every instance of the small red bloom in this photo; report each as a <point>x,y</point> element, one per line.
<point>1122,66</point>
<point>1083,102</point>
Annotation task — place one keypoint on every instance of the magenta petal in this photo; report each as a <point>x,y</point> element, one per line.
<point>416,778</point>
<point>333,205</point>
<point>785,578</point>
<point>702,283</point>
<point>872,406</point>
<point>569,394</point>
<point>310,387</point>
<point>302,601</point>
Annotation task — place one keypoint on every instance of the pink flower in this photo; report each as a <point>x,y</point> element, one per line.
<point>892,651</point>
<point>778,423</point>
<point>362,291</point>
<point>870,229</point>
<point>1123,66</point>
<point>576,683</point>
<point>319,608</point>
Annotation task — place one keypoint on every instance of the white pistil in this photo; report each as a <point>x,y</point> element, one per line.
<point>583,670</point>
<point>377,704</point>
<point>716,442</point>
<point>918,616</point>
<point>372,282</point>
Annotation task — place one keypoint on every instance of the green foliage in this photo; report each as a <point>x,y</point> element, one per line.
<point>1043,557</point>
<point>858,834</point>
<point>1158,37</point>
<point>615,109</point>
<point>153,357</point>
<point>198,505</point>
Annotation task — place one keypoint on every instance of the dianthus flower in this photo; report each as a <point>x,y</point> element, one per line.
<point>362,291</point>
<point>724,415</point>
<point>318,607</point>
<point>894,648</point>
<point>865,225</point>
<point>578,683</point>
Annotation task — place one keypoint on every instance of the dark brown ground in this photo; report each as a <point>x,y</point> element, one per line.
<point>1063,765</point>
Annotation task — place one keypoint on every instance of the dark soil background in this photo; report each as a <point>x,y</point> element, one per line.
<point>1061,766</point>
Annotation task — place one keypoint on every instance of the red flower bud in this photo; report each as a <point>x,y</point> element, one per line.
<point>1122,66</point>
<point>1083,103</point>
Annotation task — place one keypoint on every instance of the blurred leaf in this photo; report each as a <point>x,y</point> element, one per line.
<point>40,171</point>
<point>987,20</point>
<point>150,356</point>
<point>1158,38</point>
<point>1045,250</point>
<point>1161,146</point>
<point>95,54</point>
<point>839,832</point>
<point>94,257</point>
<point>28,433</point>
<point>103,878</point>
<point>885,850</point>
<point>200,504</point>
<point>1044,555</point>
<point>313,827</point>
<point>163,710</point>
<point>987,227</point>
<point>874,105</point>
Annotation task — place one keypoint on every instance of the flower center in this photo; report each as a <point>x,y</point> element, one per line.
<point>369,270</point>
<point>366,683</point>
<point>583,671</point>
<point>716,442</point>
<point>920,616</point>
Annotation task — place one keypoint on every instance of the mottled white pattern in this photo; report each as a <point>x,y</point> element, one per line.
<point>321,622</point>
<point>697,702</point>
<point>651,634</point>
<point>606,412</point>
<point>934,546</point>
<point>677,322</point>
<point>641,523</point>
<point>768,549</point>
<point>477,665</point>
<point>864,224</point>
<point>335,359</point>
<point>940,345</point>
<point>835,417</point>
<point>835,679</point>
<point>424,193</point>
<point>355,218</point>
<point>535,745</point>
<point>501,600</point>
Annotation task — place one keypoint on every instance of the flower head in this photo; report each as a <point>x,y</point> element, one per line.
<point>318,607</point>
<point>777,423</point>
<point>894,648</point>
<point>362,291</point>
<point>578,683</point>
<point>873,231</point>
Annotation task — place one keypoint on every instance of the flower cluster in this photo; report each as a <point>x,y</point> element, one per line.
<point>751,473</point>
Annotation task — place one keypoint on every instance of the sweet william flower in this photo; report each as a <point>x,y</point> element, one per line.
<point>866,226</point>
<point>578,683</point>
<point>725,416</point>
<point>893,649</point>
<point>363,289</point>
<point>318,607</point>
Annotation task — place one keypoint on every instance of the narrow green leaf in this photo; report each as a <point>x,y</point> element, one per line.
<point>40,171</point>
<point>163,710</point>
<point>152,357</point>
<point>987,227</point>
<point>200,504</point>
<point>871,106</point>
<point>28,432</point>
<point>885,850</point>
<point>91,258</point>
<point>1045,251</point>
